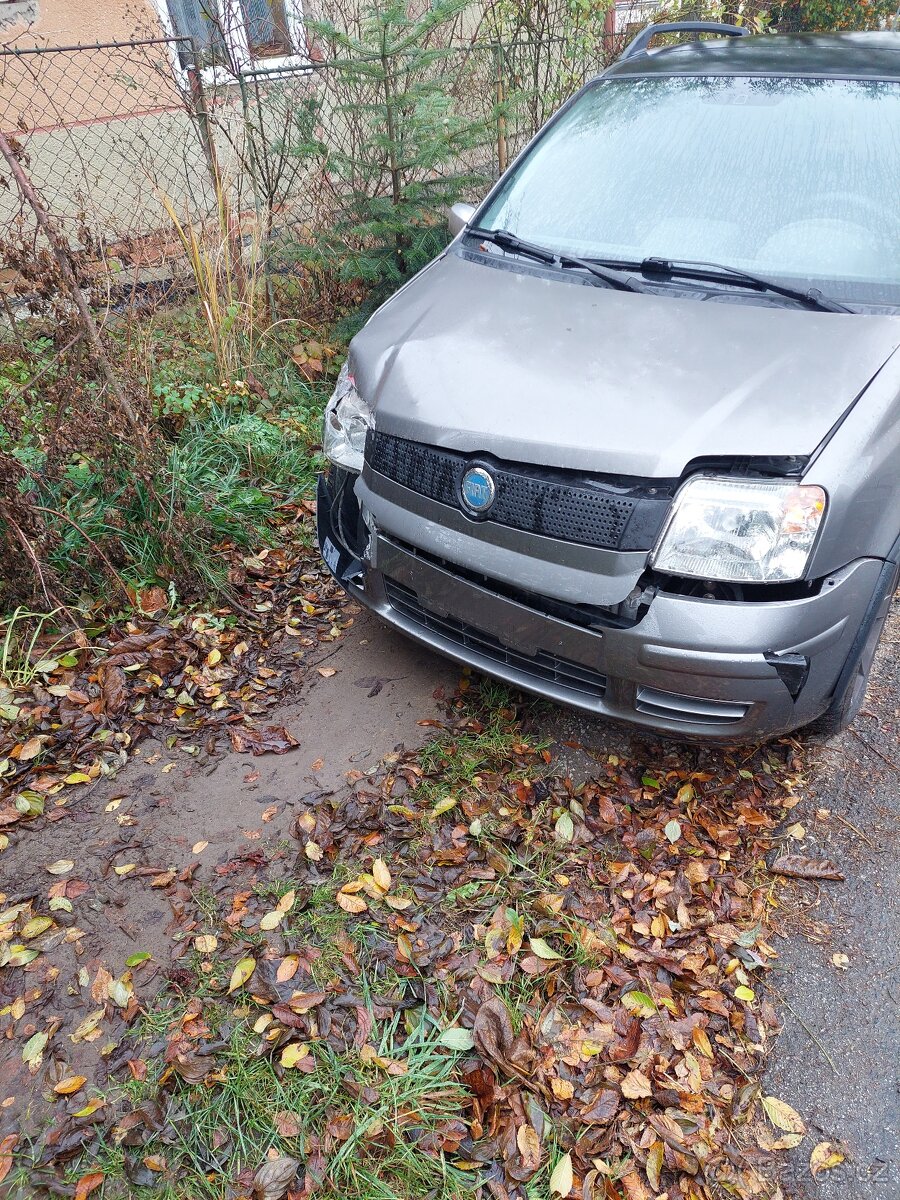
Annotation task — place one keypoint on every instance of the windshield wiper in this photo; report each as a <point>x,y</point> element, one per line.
<point>687,269</point>
<point>515,245</point>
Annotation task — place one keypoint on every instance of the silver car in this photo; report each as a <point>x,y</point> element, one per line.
<point>633,440</point>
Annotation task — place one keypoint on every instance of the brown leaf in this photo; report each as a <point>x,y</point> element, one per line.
<point>603,1108</point>
<point>273,1178</point>
<point>495,1040</point>
<point>87,1184</point>
<point>115,692</point>
<point>800,867</point>
<point>287,1124</point>
<point>529,1147</point>
<point>635,1085</point>
<point>7,1145</point>
<point>272,739</point>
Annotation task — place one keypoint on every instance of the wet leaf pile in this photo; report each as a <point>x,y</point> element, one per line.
<point>468,975</point>
<point>73,706</point>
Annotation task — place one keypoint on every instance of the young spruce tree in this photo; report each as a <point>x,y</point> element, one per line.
<point>396,140</point>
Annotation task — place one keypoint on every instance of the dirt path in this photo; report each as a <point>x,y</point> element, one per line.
<point>168,812</point>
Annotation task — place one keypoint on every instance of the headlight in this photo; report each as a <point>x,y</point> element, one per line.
<point>348,418</point>
<point>740,531</point>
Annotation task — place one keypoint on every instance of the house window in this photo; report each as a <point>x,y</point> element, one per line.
<point>238,35</point>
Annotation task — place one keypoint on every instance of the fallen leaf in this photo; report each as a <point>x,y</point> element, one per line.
<point>7,1145</point>
<point>327,672</point>
<point>241,973</point>
<point>672,831</point>
<point>635,1085</point>
<point>457,1039</point>
<point>199,847</point>
<point>800,867</point>
<point>825,1156</point>
<point>782,1115</point>
<point>70,1085</point>
<point>543,950</point>
<point>271,920</point>
<point>87,1184</point>
<point>272,1180</point>
<point>381,874</point>
<point>62,866</point>
<point>842,962</point>
<point>529,1147</point>
<point>273,739</point>
<point>561,1179</point>
<point>205,943</point>
<point>287,1124</point>
<point>293,1053</point>
<point>351,904</point>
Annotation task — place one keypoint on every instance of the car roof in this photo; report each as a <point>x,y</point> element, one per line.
<point>809,55</point>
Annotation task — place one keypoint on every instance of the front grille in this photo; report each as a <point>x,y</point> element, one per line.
<point>542,667</point>
<point>611,515</point>
<point>692,709</point>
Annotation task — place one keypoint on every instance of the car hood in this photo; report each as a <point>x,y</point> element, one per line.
<point>555,372</point>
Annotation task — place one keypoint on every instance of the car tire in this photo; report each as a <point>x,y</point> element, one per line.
<point>846,704</point>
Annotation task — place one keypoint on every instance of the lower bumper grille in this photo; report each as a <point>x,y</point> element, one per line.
<point>542,667</point>
<point>693,709</point>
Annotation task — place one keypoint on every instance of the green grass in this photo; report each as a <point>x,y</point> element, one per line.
<point>224,1126</point>
<point>224,456</point>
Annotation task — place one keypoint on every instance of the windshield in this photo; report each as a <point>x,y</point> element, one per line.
<point>794,179</point>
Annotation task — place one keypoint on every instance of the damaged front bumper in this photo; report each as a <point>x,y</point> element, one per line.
<point>689,666</point>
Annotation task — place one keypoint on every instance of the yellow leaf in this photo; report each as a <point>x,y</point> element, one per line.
<point>351,904</point>
<point>62,866</point>
<point>198,847</point>
<point>443,806</point>
<point>313,851</point>
<point>78,777</point>
<point>381,874</point>
<point>825,1156</point>
<point>782,1115</point>
<point>91,1107</point>
<point>205,943</point>
<point>286,903</point>
<point>702,1042</point>
<point>113,805</point>
<point>543,950</point>
<point>744,993</point>
<point>293,1053</point>
<point>398,902</point>
<point>35,927</point>
<point>87,1026</point>
<point>123,870</point>
<point>561,1180</point>
<point>271,920</point>
<point>70,1085</point>
<point>241,974</point>
<point>213,658</point>
<point>654,1164</point>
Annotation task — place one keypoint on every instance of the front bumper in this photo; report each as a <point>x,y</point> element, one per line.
<point>689,667</point>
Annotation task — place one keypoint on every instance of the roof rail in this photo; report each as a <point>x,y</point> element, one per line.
<point>643,39</point>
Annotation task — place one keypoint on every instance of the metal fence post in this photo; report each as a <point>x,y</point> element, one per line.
<point>502,151</point>
<point>201,113</point>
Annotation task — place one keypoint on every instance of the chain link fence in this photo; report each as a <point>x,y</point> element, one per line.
<point>102,131</point>
<point>108,132</point>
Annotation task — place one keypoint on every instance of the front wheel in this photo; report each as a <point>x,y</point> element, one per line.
<point>848,700</point>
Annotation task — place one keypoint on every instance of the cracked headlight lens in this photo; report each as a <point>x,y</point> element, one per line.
<point>348,418</point>
<point>740,530</point>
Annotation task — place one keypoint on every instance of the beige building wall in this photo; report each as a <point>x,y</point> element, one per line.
<point>53,89</point>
